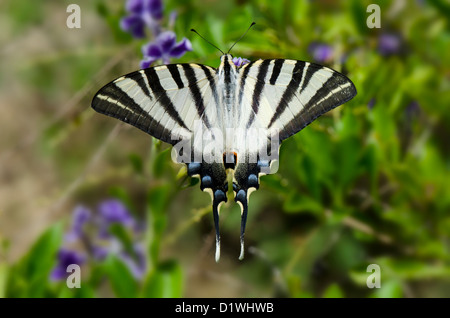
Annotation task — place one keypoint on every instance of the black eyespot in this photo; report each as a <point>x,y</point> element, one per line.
<point>220,196</point>
<point>207,182</point>
<point>193,168</point>
<point>241,196</point>
<point>252,181</point>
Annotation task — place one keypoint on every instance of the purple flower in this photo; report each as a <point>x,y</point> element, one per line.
<point>239,61</point>
<point>389,44</point>
<point>320,52</point>
<point>137,262</point>
<point>81,215</point>
<point>164,47</point>
<point>172,18</point>
<point>371,103</point>
<point>65,258</point>
<point>412,110</point>
<point>114,211</point>
<point>98,245</point>
<point>99,252</point>
<point>142,13</point>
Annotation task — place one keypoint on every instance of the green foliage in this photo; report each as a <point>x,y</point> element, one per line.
<point>122,281</point>
<point>166,280</point>
<point>30,276</point>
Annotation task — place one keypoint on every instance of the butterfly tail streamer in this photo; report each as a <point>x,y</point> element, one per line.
<point>219,198</point>
<point>246,181</point>
<point>213,179</point>
<point>242,199</point>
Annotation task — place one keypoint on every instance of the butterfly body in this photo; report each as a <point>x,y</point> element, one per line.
<point>228,120</point>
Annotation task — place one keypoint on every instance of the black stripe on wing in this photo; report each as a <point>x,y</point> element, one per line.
<point>259,87</point>
<point>196,93</point>
<point>173,69</point>
<point>113,102</point>
<point>212,83</point>
<point>291,90</point>
<point>161,96</point>
<point>142,84</point>
<point>335,91</point>
<point>276,71</point>
<point>243,79</point>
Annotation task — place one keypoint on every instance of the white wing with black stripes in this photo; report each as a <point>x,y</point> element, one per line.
<point>247,109</point>
<point>164,101</point>
<point>287,95</point>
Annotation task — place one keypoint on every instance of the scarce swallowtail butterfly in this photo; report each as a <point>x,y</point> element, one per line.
<point>243,112</point>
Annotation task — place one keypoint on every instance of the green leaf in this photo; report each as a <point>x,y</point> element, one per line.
<point>119,231</point>
<point>3,279</point>
<point>158,200</point>
<point>120,277</point>
<point>85,291</point>
<point>274,183</point>
<point>41,257</point>
<point>389,289</point>
<point>166,280</point>
<point>348,159</point>
<point>161,162</point>
<point>113,21</point>
<point>315,247</point>
<point>333,291</point>
<point>346,253</point>
<point>30,276</point>
<point>136,163</point>
<point>385,134</point>
<point>24,15</point>
<point>359,15</point>
<point>297,202</point>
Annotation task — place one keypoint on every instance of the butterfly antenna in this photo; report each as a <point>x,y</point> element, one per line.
<point>253,23</point>
<point>193,30</point>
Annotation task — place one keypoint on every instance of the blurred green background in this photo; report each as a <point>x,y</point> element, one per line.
<point>367,183</point>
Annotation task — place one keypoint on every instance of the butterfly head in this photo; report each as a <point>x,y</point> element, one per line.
<point>226,59</point>
<point>227,69</point>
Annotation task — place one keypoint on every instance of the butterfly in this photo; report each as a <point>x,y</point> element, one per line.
<point>228,120</point>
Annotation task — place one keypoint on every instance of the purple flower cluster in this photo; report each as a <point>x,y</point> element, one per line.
<point>93,233</point>
<point>412,110</point>
<point>390,44</point>
<point>148,14</point>
<point>371,103</point>
<point>66,257</point>
<point>239,61</point>
<point>142,14</point>
<point>164,47</point>
<point>321,52</point>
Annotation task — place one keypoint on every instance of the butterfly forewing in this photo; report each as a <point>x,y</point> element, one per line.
<point>290,94</point>
<point>162,101</point>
